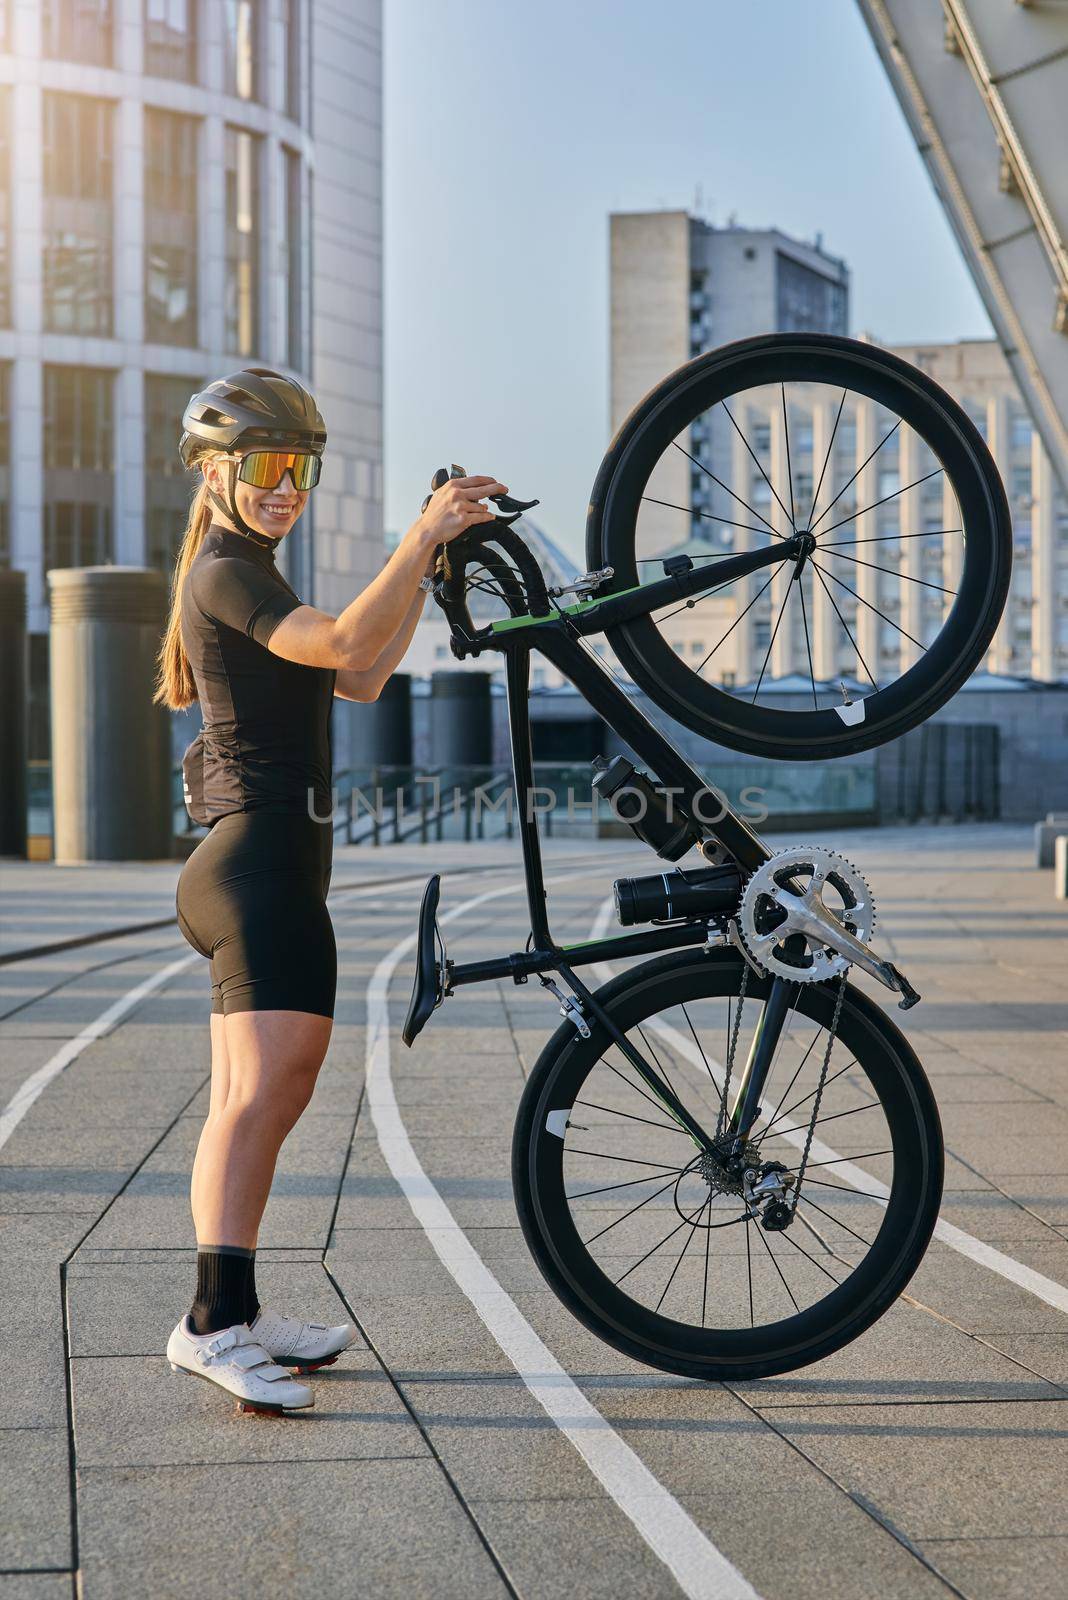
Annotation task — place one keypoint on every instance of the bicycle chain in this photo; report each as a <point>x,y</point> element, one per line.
<point>819,1090</point>
<point>721,1121</point>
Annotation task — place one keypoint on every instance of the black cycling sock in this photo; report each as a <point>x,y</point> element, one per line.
<point>222,1276</point>
<point>252,1301</point>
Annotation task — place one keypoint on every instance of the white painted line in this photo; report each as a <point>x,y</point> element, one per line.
<point>700,1570</point>
<point>35,1085</point>
<point>1046,1289</point>
<point>37,1082</point>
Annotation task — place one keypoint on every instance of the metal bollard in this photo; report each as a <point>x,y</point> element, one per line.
<point>111,761</point>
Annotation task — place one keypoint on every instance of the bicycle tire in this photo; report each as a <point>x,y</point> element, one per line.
<point>938,420</point>
<point>577,1279</point>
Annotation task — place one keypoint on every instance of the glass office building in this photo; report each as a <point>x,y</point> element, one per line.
<point>186,187</point>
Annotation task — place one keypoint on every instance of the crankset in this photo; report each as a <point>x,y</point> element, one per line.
<point>808,915</point>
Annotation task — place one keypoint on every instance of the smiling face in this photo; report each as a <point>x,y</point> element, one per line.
<point>273,512</point>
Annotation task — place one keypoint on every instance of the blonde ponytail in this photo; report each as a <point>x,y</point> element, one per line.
<point>175,687</point>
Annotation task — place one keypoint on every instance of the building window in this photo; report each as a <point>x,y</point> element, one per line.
<point>294,256</point>
<point>171,39</point>
<point>807,300</point>
<point>1021,483</point>
<point>79,466</point>
<point>5,206</point>
<point>292,40</point>
<point>78,214</point>
<point>1020,431</point>
<point>5,463</point>
<point>78,30</point>
<point>168,486</point>
<point>240,20</point>
<point>242,240</point>
<point>170,227</point>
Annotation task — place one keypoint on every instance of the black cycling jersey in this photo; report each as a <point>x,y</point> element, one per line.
<point>265,744</point>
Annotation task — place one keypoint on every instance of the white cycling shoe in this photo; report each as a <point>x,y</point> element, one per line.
<point>303,1345</point>
<point>237,1362</point>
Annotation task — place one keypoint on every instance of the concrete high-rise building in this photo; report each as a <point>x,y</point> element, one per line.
<point>872,608</point>
<point>679,286</point>
<point>187,187</point>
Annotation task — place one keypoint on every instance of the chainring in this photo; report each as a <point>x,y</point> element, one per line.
<point>833,889</point>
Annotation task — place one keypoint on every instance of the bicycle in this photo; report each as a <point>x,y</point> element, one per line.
<point>700,1178</point>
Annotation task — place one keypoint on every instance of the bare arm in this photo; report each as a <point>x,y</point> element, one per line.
<point>367,685</point>
<point>356,639</point>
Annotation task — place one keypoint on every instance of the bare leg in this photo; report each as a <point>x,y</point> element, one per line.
<point>272,1061</point>
<point>220,1086</point>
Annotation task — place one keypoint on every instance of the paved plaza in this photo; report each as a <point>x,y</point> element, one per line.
<point>927,1459</point>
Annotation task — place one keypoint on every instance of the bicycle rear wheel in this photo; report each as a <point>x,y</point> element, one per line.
<point>664,1263</point>
<point>898,595</point>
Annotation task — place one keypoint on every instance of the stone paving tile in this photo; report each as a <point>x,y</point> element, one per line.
<point>134,1411</point>
<point>37,1586</point>
<point>496,1441</point>
<point>333,1529</point>
<point>991,1216</point>
<point>555,1549</point>
<point>35,1495</point>
<point>1003,1568</point>
<point>945,1471</point>
<point>32,1316</point>
<point>904,1357</point>
<point>989,1303</point>
<point>1046,1353</point>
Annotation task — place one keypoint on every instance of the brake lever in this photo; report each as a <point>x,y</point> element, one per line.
<point>513,509</point>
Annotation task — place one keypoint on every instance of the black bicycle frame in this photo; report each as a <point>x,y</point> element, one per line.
<point>555,638</point>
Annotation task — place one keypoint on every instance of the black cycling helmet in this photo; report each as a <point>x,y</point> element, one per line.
<point>253,408</point>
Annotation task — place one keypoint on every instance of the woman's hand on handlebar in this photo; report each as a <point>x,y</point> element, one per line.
<point>457,506</point>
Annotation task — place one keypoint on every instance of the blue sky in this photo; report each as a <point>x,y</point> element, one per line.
<point>512,129</point>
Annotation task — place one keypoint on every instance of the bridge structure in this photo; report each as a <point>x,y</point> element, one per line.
<point>984,87</point>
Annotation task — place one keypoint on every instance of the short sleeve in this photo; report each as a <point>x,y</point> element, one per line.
<point>242,596</point>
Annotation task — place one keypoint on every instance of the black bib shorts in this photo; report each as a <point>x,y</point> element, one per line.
<point>252,898</point>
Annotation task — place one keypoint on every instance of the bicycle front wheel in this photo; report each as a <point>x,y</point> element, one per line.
<point>894,600</point>
<point>660,1258</point>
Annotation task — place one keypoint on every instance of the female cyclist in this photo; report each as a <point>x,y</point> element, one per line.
<point>252,896</point>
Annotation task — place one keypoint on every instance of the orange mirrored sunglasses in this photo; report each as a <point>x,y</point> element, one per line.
<point>265,469</point>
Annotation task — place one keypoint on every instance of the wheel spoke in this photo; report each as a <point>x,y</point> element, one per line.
<point>789,467</point>
<point>843,1190</point>
<point>895,572</point>
<point>749,1271</point>
<point>808,644</point>
<point>845,625</point>
<point>630,1183</point>
<point>778,1269</point>
<point>836,1220</point>
<point>826,459</point>
<point>771,644</point>
<point>629,1213</point>
<point>886,497</point>
<point>689,1240</point>
<point>752,510</point>
<point>658,1246</point>
<point>813,526</point>
<point>756,462</point>
<point>838,1160</point>
<point>887,538</point>
<point>669,1127</point>
<point>736,621</point>
<point>700,1046</point>
<point>861,600</point>
<point>791,1240</point>
<point>727,522</point>
<point>797,1103</point>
